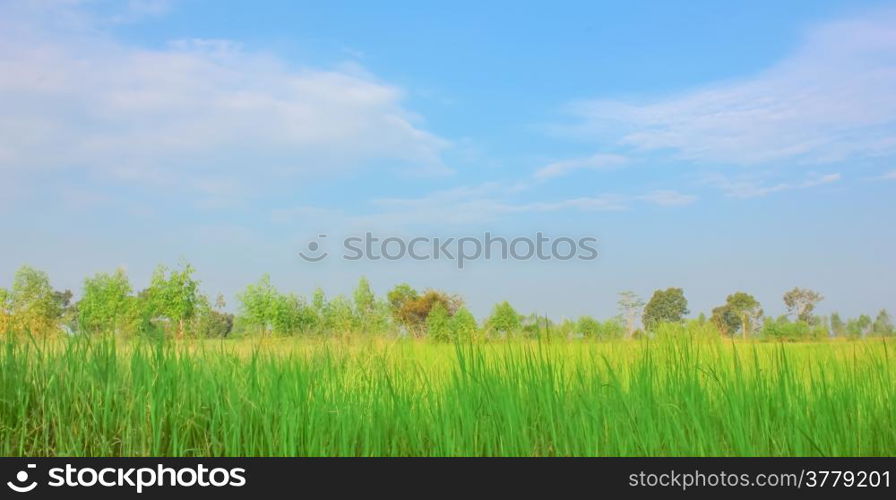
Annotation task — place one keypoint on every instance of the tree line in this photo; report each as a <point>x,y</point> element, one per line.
<point>173,305</point>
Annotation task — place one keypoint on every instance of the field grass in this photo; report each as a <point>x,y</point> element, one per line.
<point>671,396</point>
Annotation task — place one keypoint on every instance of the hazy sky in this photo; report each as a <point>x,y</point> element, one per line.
<point>714,146</point>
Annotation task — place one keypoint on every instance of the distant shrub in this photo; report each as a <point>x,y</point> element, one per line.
<point>783,329</point>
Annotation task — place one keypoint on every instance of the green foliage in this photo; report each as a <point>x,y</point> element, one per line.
<point>504,320</point>
<point>270,311</point>
<point>883,325</point>
<point>801,302</point>
<point>784,329</point>
<point>339,317</point>
<point>740,314</point>
<point>213,324</point>
<point>535,326</point>
<point>438,324</point>
<point>859,327</point>
<point>173,295</point>
<point>5,310</point>
<point>665,306</point>
<point>838,327</point>
<point>464,326</point>
<point>589,327</point>
<point>410,309</point>
<point>365,300</point>
<point>33,305</point>
<point>372,315</point>
<point>106,304</point>
<point>257,302</point>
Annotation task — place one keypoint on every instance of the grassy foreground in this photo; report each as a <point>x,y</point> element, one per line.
<point>682,396</point>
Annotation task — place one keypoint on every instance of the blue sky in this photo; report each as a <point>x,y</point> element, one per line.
<point>715,146</point>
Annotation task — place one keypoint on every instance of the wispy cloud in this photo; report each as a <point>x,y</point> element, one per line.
<point>746,187</point>
<point>595,162</point>
<point>832,99</point>
<point>668,198</point>
<point>204,115</point>
<point>492,201</point>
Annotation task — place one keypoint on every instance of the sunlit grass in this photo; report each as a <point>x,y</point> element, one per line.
<point>675,395</point>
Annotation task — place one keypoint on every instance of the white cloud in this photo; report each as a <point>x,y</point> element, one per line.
<point>830,100</point>
<point>889,176</point>
<point>668,198</point>
<point>490,201</point>
<point>595,162</point>
<point>206,115</point>
<point>751,187</point>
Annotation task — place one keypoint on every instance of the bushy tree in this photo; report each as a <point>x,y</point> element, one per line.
<point>882,325</point>
<point>173,295</point>
<point>783,329</point>
<point>859,327</point>
<point>838,327</point>
<point>210,321</point>
<point>372,314</point>
<point>270,311</point>
<point>438,324</point>
<point>34,306</point>
<point>5,310</point>
<point>338,317</point>
<point>741,313</point>
<point>411,309</point>
<point>588,327</point>
<point>258,303</point>
<point>801,302</point>
<point>504,319</point>
<point>535,325</point>
<point>106,303</point>
<point>464,326</point>
<point>665,306</point>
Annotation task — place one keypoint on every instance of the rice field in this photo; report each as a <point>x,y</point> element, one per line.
<point>675,395</point>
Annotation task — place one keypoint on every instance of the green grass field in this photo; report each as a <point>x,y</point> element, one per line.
<point>670,396</point>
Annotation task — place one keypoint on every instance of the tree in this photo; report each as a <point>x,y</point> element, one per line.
<point>838,327</point>
<point>173,295</point>
<point>273,312</point>
<point>504,319</point>
<point>106,304</point>
<point>859,327</point>
<point>212,322</point>
<point>258,303</point>
<point>339,317</point>
<point>438,324</point>
<point>34,305</point>
<point>372,314</point>
<point>588,326</point>
<point>669,306</point>
<point>411,309</point>
<point>883,325</point>
<point>364,298</point>
<point>535,325</point>
<point>741,313</point>
<point>5,310</point>
<point>801,302</point>
<point>464,325</point>
<point>399,299</point>
<point>630,307</point>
